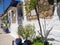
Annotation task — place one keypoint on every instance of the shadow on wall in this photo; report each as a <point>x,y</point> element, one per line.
<point>58,10</point>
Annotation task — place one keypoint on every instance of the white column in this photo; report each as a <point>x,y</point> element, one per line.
<point>24,14</point>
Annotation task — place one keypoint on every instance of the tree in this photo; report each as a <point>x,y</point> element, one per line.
<point>35,4</point>
<point>32,4</point>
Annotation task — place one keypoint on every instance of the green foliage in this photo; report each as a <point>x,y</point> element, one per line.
<point>1,24</point>
<point>26,31</point>
<point>37,38</point>
<point>21,31</point>
<point>50,44</point>
<point>5,19</point>
<point>30,5</point>
<point>5,22</point>
<point>37,41</point>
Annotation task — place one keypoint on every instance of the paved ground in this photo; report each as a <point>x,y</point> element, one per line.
<point>5,39</point>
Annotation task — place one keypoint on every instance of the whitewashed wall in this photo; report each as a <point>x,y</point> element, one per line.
<point>13,26</point>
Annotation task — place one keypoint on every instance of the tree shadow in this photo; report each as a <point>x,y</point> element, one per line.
<point>51,39</point>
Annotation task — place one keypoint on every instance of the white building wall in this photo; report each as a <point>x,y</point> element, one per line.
<point>14,26</point>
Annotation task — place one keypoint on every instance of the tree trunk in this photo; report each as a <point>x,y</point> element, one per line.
<point>39,24</point>
<point>37,13</point>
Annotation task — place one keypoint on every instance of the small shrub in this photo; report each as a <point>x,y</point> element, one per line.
<point>37,41</point>
<point>26,31</point>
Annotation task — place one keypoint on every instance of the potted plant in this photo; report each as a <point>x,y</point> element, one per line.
<point>18,41</point>
<point>26,31</point>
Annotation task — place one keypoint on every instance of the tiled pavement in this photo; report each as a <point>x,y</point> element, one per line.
<point>5,39</point>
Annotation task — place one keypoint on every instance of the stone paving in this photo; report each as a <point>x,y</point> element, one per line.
<point>5,39</point>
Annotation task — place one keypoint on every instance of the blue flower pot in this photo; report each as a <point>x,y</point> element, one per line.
<point>6,30</point>
<point>18,41</point>
<point>46,43</point>
<point>27,42</point>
